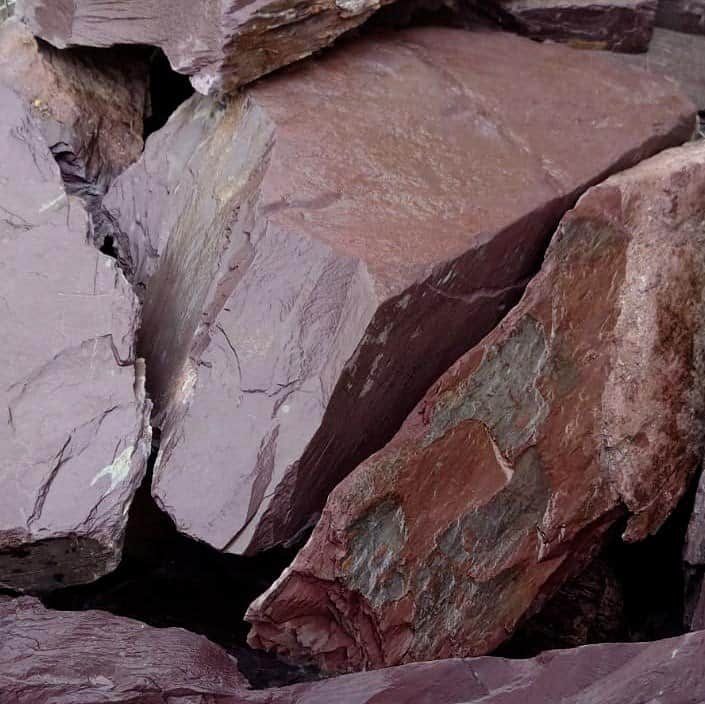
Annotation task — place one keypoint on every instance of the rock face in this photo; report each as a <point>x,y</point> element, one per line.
<point>682,15</point>
<point>221,45</point>
<point>584,405</point>
<point>61,657</point>
<point>694,558</point>
<point>624,25</point>
<point>330,241</point>
<point>75,437</point>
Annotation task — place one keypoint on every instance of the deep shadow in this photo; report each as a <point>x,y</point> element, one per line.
<point>167,90</point>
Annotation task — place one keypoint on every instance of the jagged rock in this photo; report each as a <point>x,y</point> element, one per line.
<point>50,657</point>
<point>694,558</point>
<point>75,439</point>
<point>90,106</point>
<point>337,237</point>
<point>221,45</point>
<point>585,404</point>
<point>63,657</point>
<point>619,25</point>
<point>682,15</point>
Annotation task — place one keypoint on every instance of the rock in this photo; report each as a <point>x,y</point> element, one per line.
<point>221,45</point>
<point>50,657</point>
<point>7,9</point>
<point>694,559</point>
<point>584,405</point>
<point>76,437</point>
<point>332,249</point>
<point>621,25</point>
<point>682,15</point>
<point>62,657</point>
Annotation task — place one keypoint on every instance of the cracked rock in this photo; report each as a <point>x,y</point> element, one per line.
<point>75,438</point>
<point>221,45</point>
<point>584,405</point>
<point>321,248</point>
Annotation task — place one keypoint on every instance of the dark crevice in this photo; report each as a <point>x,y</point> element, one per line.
<point>167,579</point>
<point>108,247</point>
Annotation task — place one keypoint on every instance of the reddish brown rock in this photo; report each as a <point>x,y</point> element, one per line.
<point>75,439</point>
<point>621,25</point>
<point>683,16</point>
<point>221,45</point>
<point>337,237</point>
<point>584,405</point>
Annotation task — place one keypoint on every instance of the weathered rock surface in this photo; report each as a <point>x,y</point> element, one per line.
<point>624,25</point>
<point>694,558</point>
<point>62,657</point>
<point>221,45</point>
<point>49,657</point>
<point>75,438</point>
<point>584,405</point>
<point>682,15</point>
<point>337,237</point>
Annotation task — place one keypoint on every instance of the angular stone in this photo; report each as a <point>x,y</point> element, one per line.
<point>75,439</point>
<point>682,15</point>
<point>619,25</point>
<point>63,657</point>
<point>221,45</point>
<point>338,237</point>
<point>584,405</point>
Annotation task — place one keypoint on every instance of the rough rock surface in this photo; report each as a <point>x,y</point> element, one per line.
<point>624,25</point>
<point>694,558</point>
<point>682,15</point>
<point>49,657</point>
<point>90,106</point>
<point>220,44</point>
<point>338,237</point>
<point>75,439</point>
<point>61,657</point>
<point>585,404</point>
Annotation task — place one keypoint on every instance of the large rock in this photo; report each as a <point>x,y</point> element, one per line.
<point>221,45</point>
<point>75,439</point>
<point>619,25</point>
<point>337,237</point>
<point>584,405</point>
<point>682,15</point>
<point>49,657</point>
<point>61,657</point>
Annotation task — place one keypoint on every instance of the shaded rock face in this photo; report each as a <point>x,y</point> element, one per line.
<point>78,658</point>
<point>76,435</point>
<point>584,405</point>
<point>694,559</point>
<point>221,45</point>
<point>305,267</point>
<point>625,25</point>
<point>682,15</point>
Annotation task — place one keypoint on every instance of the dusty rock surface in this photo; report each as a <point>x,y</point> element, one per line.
<point>221,45</point>
<point>75,438</point>
<point>584,405</point>
<point>321,247</point>
<point>682,15</point>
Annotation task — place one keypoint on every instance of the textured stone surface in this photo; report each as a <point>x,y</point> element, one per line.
<point>59,657</point>
<point>682,15</point>
<point>75,438</point>
<point>219,44</point>
<point>90,106</point>
<point>585,404</point>
<point>694,559</point>
<point>621,25</point>
<point>338,237</point>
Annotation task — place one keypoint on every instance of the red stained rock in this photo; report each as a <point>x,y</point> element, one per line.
<point>221,45</point>
<point>682,15</point>
<point>319,250</point>
<point>75,439</point>
<point>584,405</point>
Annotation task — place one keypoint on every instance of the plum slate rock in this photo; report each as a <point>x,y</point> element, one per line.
<point>219,43</point>
<point>583,406</point>
<point>618,25</point>
<point>320,249</point>
<point>75,439</point>
<point>90,110</point>
<point>51,657</point>
<point>60,657</point>
<point>682,15</point>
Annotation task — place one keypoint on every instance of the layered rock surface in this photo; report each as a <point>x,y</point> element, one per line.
<point>323,246</point>
<point>221,45</point>
<point>75,437</point>
<point>583,406</point>
<point>682,15</point>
